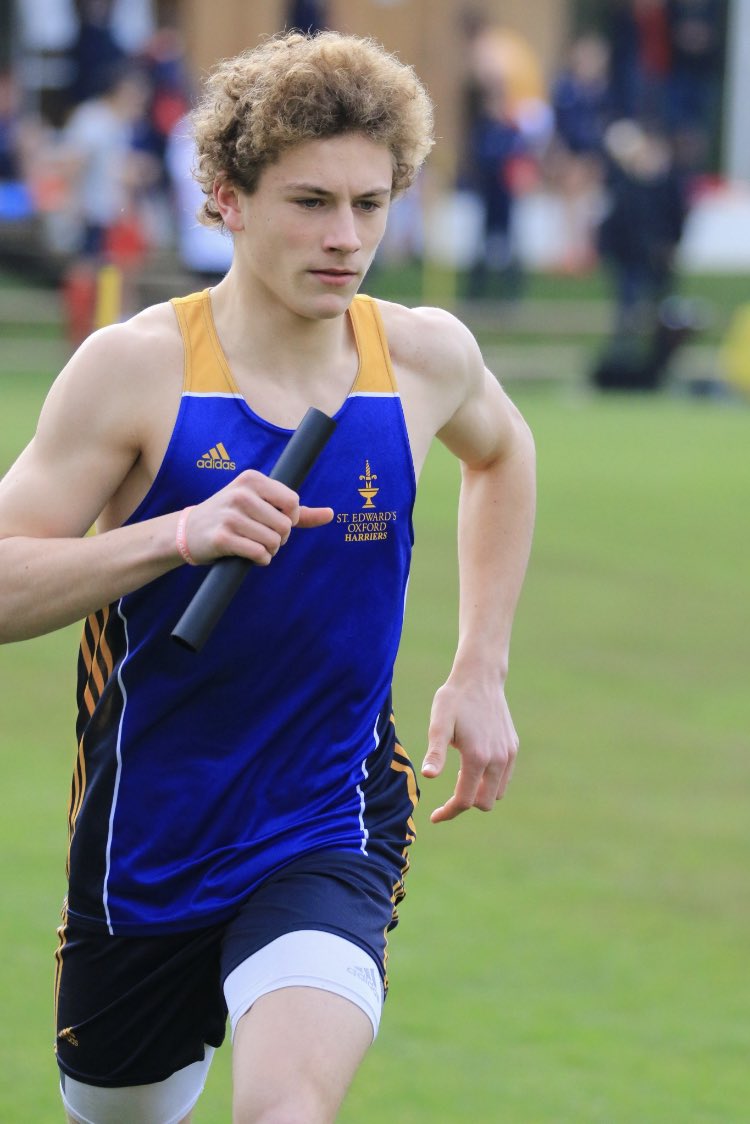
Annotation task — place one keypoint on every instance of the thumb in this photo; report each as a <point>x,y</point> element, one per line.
<point>437,749</point>
<point>314,516</point>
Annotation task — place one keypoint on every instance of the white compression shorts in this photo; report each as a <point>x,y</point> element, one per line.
<point>306,958</point>
<point>164,1102</point>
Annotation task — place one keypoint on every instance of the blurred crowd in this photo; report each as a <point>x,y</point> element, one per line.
<point>621,134</point>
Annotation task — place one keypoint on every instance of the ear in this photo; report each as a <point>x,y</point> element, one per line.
<point>227,199</point>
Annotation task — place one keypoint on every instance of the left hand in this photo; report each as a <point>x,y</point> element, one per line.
<point>476,721</point>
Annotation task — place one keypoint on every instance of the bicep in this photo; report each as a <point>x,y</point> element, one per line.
<point>482,427</point>
<point>62,497</point>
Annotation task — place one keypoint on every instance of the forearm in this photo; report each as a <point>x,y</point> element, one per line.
<point>495,527</point>
<point>49,583</point>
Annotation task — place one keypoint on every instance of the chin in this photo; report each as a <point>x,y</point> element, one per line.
<point>328,308</point>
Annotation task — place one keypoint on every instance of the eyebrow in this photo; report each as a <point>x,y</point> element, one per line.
<point>314,189</point>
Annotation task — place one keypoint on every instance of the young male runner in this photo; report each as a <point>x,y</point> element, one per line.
<point>240,818</point>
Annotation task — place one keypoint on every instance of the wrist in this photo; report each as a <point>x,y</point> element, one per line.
<point>490,666</point>
<point>181,537</point>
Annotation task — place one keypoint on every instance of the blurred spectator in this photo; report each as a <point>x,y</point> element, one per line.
<point>309,16</point>
<point>640,58</point>
<point>654,57</point>
<point>696,37</point>
<point>639,236</point>
<point>666,66</point>
<point>134,22</point>
<point>496,146</point>
<point>106,175</point>
<point>205,251</point>
<point>95,51</point>
<point>171,84</point>
<point>66,47</point>
<point>103,166</point>
<point>46,31</point>
<point>582,106</point>
<point>507,124</point>
<point>10,123</point>
<point>581,98</point>
<point>644,220</point>
<point>15,198</point>
<point>502,59</point>
<point>165,63</point>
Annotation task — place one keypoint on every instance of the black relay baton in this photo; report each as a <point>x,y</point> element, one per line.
<point>226,574</point>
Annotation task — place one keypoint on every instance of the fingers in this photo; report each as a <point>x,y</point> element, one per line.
<point>479,785</point>
<point>251,518</point>
<point>486,742</point>
<point>257,520</point>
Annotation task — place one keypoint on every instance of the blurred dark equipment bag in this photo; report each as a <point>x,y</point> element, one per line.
<point>639,361</point>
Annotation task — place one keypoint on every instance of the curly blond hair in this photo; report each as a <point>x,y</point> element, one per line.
<point>296,87</point>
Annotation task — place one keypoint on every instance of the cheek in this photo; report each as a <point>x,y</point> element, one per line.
<point>372,234</point>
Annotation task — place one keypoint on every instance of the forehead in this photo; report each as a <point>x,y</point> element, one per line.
<point>350,162</point>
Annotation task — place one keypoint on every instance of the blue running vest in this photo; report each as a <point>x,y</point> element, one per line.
<point>198,775</point>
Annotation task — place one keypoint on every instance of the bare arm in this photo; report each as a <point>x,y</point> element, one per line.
<point>95,435</point>
<point>495,525</point>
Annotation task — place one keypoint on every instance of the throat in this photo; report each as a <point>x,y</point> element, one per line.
<point>280,378</point>
<point>283,401</point>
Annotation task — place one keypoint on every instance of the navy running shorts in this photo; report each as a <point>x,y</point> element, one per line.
<point>133,1010</point>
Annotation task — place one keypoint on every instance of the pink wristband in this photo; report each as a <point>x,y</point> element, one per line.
<point>181,538</point>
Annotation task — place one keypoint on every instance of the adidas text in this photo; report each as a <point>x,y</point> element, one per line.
<point>216,457</point>
<point>205,462</point>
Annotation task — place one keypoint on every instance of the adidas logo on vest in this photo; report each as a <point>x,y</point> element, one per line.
<point>217,457</point>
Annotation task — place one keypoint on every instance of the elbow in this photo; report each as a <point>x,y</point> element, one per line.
<point>518,443</point>
<point>8,634</point>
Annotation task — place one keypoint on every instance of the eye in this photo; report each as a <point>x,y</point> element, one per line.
<point>368,205</point>
<point>310,204</point>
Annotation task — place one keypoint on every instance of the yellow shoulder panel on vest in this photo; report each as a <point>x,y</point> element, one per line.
<point>206,369</point>
<point>375,370</point>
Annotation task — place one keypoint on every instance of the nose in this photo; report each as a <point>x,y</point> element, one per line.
<point>341,233</point>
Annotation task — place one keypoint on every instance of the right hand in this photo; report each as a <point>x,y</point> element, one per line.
<point>252,517</point>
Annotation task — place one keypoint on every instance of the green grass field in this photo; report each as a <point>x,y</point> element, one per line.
<point>579,956</point>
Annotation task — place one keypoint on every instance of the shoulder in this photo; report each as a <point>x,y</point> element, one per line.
<point>107,416</point>
<point>151,327</point>
<point>135,349</point>
<point>438,367</point>
<point>121,372</point>
<point>446,388</point>
<point>423,334</point>
<point>432,343</point>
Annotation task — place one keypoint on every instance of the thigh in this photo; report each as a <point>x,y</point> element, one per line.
<point>132,1011</point>
<point>295,1053</point>
<point>304,967</point>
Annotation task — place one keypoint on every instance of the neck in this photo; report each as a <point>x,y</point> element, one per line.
<point>277,335</point>
<point>274,353</point>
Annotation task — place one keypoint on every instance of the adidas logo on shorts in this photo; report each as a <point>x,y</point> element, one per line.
<point>367,975</point>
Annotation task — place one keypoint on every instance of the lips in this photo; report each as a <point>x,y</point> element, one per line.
<point>334,276</point>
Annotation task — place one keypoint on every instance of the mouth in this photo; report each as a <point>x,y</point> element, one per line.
<point>335,277</point>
